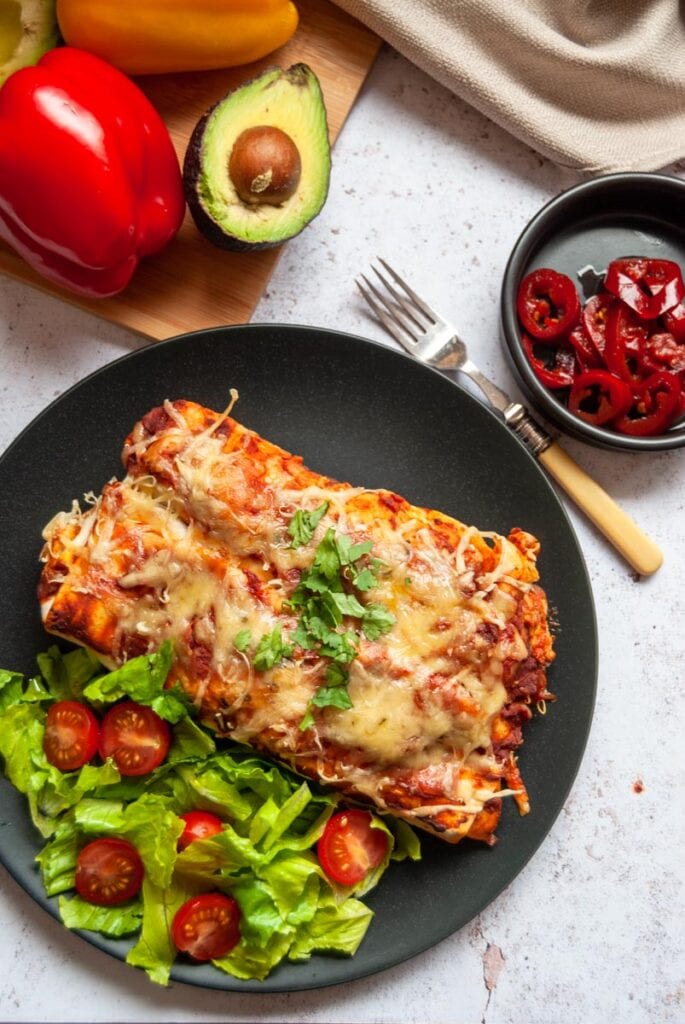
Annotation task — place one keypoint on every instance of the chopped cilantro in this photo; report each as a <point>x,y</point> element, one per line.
<point>242,640</point>
<point>327,560</point>
<point>333,694</point>
<point>301,527</point>
<point>323,600</point>
<point>377,620</point>
<point>364,580</point>
<point>270,650</point>
<point>349,552</point>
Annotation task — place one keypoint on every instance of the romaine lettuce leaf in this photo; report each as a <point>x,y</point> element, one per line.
<point>113,921</point>
<point>142,679</point>
<point>67,674</point>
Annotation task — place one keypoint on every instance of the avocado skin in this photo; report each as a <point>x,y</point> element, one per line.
<point>206,225</point>
<point>192,173</point>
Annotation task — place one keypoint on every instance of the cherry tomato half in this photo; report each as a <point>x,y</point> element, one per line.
<point>135,737</point>
<point>198,825</point>
<point>71,735</point>
<point>108,872</point>
<point>207,927</point>
<point>350,847</point>
<point>548,304</point>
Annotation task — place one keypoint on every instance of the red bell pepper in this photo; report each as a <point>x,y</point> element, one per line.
<point>89,180</point>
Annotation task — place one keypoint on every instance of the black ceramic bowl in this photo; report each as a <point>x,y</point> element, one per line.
<point>593,223</point>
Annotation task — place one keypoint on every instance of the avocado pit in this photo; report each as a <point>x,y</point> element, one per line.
<point>265,166</point>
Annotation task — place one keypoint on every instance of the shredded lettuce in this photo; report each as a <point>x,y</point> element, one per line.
<point>264,856</point>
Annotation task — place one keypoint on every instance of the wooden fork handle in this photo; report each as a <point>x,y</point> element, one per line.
<point>616,525</point>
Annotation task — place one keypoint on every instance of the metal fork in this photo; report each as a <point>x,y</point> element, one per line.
<point>431,339</point>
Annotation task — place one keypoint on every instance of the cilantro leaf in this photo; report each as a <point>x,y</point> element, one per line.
<point>332,697</point>
<point>301,527</point>
<point>336,675</point>
<point>377,620</point>
<point>242,640</point>
<point>347,604</point>
<point>327,559</point>
<point>270,650</point>
<point>340,646</point>
<point>308,721</point>
<point>364,580</point>
<point>333,694</point>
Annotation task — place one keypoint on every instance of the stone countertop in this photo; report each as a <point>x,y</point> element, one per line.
<point>592,929</point>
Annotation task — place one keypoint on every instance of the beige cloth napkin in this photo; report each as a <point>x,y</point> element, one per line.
<point>597,85</point>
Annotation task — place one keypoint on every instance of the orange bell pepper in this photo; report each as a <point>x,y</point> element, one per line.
<point>144,37</point>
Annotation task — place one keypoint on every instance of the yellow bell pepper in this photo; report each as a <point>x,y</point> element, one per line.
<point>145,37</point>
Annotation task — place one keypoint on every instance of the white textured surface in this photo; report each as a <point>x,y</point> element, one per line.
<point>592,930</point>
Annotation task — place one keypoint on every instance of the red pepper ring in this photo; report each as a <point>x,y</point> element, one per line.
<point>674,322</point>
<point>598,397</point>
<point>656,406</point>
<point>586,353</point>
<point>555,372</point>
<point>626,336</point>
<point>650,287</point>
<point>89,180</point>
<point>547,304</point>
<point>594,318</point>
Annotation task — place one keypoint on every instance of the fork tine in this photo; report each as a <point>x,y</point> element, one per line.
<point>413,329</point>
<point>425,309</point>
<point>387,321</point>
<point>410,308</point>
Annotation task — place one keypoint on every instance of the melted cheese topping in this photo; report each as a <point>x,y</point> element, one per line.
<point>193,546</point>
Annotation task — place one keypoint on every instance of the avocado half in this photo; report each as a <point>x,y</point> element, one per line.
<point>288,100</point>
<point>28,29</point>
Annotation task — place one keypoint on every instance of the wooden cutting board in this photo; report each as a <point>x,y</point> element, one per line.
<point>192,284</point>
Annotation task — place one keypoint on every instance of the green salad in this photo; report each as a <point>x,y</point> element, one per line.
<point>263,856</point>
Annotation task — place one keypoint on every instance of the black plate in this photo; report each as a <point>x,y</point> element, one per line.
<point>360,412</point>
<point>593,223</point>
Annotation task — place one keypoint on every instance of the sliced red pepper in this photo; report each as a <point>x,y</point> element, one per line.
<point>554,367</point>
<point>89,180</point>
<point>650,287</point>
<point>598,397</point>
<point>594,318</point>
<point>587,355</point>
<point>674,322</point>
<point>626,336</point>
<point>656,406</point>
<point>548,304</point>
<point>662,352</point>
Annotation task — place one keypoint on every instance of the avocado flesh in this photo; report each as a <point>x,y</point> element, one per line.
<point>287,99</point>
<point>28,29</point>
